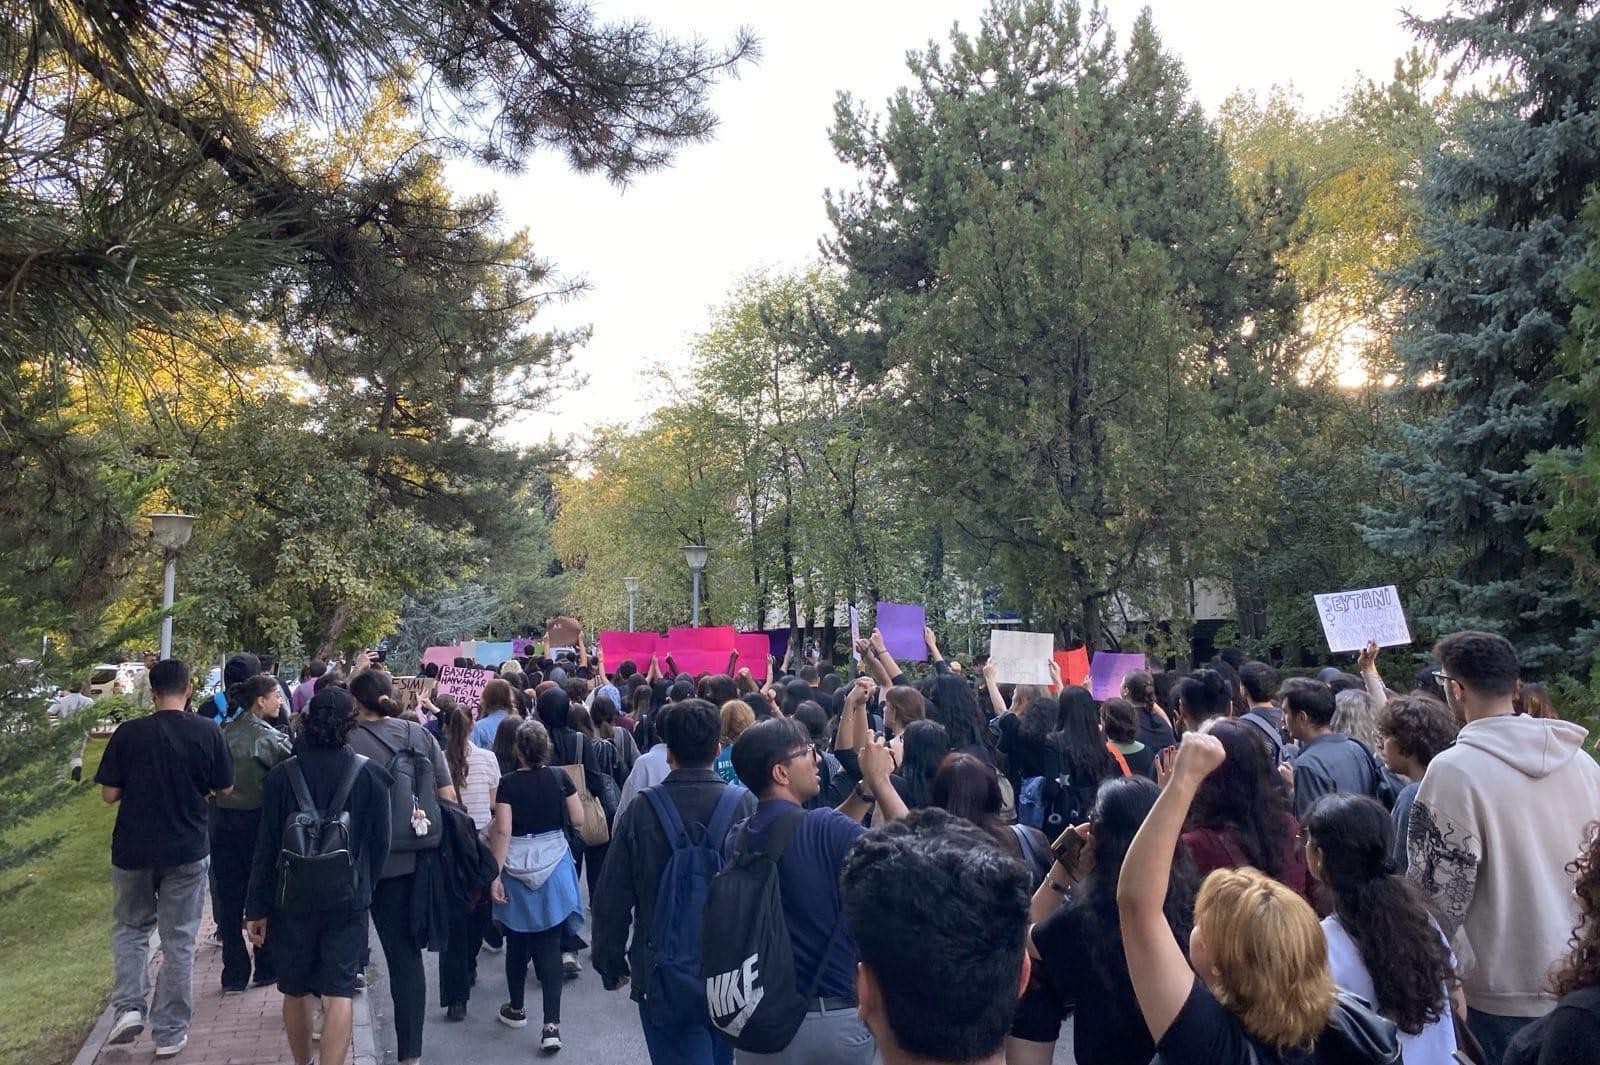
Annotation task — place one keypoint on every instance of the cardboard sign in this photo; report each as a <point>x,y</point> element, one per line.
<point>562,632</point>
<point>902,625</point>
<point>617,645</point>
<point>1351,619</point>
<point>493,655</point>
<point>465,685</point>
<point>753,648</point>
<point>408,691</point>
<point>1074,665</point>
<point>1021,657</point>
<point>1107,671</point>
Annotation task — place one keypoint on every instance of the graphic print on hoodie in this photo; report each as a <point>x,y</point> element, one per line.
<point>1497,818</point>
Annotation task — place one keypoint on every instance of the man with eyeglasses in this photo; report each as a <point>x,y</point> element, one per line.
<point>1496,820</point>
<point>777,760</point>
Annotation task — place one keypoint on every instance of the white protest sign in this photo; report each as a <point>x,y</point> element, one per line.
<point>1351,619</point>
<point>1021,657</point>
<point>855,634</point>
<point>466,685</point>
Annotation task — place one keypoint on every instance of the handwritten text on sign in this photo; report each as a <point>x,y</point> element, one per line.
<point>1351,619</point>
<point>466,685</point>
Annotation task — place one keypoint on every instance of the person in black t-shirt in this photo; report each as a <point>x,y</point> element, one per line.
<point>1078,946</point>
<point>1570,1034</point>
<point>160,769</point>
<point>318,952</point>
<point>1256,945</point>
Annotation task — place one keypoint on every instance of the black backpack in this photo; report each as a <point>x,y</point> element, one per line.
<point>415,789</point>
<point>316,859</point>
<point>746,957</point>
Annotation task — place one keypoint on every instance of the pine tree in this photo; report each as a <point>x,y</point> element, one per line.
<point>1489,308</point>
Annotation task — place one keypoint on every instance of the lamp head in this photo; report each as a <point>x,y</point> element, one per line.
<point>171,531</point>
<point>696,554</point>
<point>631,583</point>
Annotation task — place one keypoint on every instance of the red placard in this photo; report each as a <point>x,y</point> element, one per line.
<point>1074,665</point>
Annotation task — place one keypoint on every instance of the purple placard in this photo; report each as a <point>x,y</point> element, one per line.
<point>1108,669</point>
<point>902,625</point>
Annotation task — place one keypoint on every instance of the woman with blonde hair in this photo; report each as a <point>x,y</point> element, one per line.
<point>1260,991</point>
<point>1355,713</point>
<point>736,717</point>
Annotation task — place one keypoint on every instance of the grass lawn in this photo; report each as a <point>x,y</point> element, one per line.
<point>55,932</point>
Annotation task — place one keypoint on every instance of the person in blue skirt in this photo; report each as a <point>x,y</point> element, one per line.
<point>537,892</point>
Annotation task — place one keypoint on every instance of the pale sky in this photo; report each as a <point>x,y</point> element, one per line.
<point>660,255</point>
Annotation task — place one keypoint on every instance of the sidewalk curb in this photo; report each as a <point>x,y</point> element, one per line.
<point>363,1051</point>
<point>96,1040</point>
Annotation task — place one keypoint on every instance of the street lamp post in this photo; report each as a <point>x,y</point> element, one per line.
<point>170,532</point>
<point>696,555</point>
<point>632,584</point>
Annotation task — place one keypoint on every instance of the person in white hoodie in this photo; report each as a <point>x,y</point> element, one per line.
<point>1496,820</point>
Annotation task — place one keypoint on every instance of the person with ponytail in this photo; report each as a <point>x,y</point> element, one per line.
<point>381,734</point>
<point>235,821</point>
<point>1383,943</point>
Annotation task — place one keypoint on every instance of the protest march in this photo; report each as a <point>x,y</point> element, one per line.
<point>966,532</point>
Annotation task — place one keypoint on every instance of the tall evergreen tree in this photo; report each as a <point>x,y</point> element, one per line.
<point>1489,309</point>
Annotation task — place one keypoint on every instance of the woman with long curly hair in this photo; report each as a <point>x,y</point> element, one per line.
<point>1382,941</point>
<point>1570,1034</point>
<point>1240,816</point>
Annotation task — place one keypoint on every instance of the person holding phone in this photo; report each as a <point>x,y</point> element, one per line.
<point>1076,940</point>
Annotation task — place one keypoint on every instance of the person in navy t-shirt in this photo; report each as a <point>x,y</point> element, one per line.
<point>777,760</point>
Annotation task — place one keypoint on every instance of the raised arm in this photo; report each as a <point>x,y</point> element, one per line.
<point>1368,663</point>
<point>995,701</point>
<point>655,669</point>
<point>1160,973</point>
<point>884,662</point>
<point>932,642</point>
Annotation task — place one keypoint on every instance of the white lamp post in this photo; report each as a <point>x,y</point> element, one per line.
<point>170,532</point>
<point>696,555</point>
<point>632,584</point>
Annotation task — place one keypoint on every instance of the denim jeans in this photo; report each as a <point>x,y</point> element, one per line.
<point>1494,1031</point>
<point>146,900</point>
<point>689,1044</point>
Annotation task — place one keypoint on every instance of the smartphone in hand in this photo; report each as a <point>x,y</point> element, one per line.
<point>1067,848</point>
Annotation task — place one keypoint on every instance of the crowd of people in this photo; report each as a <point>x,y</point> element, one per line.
<point>1220,866</point>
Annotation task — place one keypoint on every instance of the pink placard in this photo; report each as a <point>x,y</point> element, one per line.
<point>616,645</point>
<point>695,662</point>
<point>442,656</point>
<point>709,638</point>
<point>753,648</point>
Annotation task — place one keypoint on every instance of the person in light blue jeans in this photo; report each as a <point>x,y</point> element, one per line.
<point>158,771</point>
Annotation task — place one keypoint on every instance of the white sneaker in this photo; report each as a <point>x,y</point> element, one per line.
<point>172,1050</point>
<point>127,1028</point>
<point>316,1023</point>
<point>570,965</point>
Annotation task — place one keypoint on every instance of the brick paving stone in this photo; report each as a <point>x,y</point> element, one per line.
<point>243,1029</point>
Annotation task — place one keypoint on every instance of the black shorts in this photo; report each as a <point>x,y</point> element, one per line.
<point>316,952</point>
<point>1039,1013</point>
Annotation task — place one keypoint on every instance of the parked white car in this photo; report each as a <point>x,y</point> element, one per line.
<point>114,679</point>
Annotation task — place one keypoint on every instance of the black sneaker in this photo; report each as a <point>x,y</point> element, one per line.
<point>456,1011</point>
<point>233,989</point>
<point>361,979</point>
<point>550,1039</point>
<point>263,979</point>
<point>77,773</point>
<point>513,1018</point>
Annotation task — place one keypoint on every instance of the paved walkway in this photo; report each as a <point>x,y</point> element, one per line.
<point>244,1029</point>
